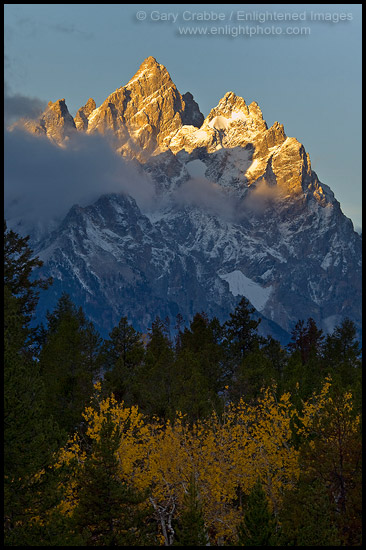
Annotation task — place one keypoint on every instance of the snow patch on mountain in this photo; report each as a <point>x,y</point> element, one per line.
<point>240,285</point>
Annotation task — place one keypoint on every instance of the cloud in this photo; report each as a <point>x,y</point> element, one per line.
<point>43,181</point>
<point>261,196</point>
<point>71,29</point>
<point>33,27</point>
<point>17,106</point>
<point>210,196</point>
<point>206,194</point>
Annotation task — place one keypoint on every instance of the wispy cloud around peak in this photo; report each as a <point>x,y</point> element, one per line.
<point>17,106</point>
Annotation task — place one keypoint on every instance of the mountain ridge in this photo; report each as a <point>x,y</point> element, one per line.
<point>240,211</point>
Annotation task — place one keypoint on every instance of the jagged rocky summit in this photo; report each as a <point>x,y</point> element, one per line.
<point>239,211</point>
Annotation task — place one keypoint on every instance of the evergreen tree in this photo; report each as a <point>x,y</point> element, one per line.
<point>240,334</point>
<point>332,456</point>
<point>190,530</point>
<point>308,340</point>
<point>203,339</point>
<point>179,322</point>
<point>120,356</point>
<point>277,355</point>
<point>152,384</point>
<point>306,349</point>
<point>255,372</point>
<point>293,379</point>
<point>68,362</point>
<point>198,373</point>
<point>258,525</point>
<point>109,512</point>
<point>342,356</point>
<point>307,517</point>
<point>342,345</point>
<point>191,391</point>
<point>19,264</point>
<point>30,436</point>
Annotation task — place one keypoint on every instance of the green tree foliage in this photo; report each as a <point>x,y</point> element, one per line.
<point>198,374</point>
<point>240,335</point>
<point>332,457</point>
<point>306,367</point>
<point>109,512</point>
<point>342,355</point>
<point>30,436</point>
<point>255,372</point>
<point>120,356</point>
<point>308,516</point>
<point>69,362</point>
<point>258,525</point>
<point>19,263</point>
<point>308,340</point>
<point>153,382</point>
<point>276,354</point>
<point>190,530</point>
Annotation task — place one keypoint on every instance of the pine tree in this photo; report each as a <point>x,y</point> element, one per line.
<point>120,356</point>
<point>342,356</point>
<point>68,362</point>
<point>19,264</point>
<point>198,374</point>
<point>332,456</point>
<point>109,512</point>
<point>258,525</point>
<point>255,372</point>
<point>30,436</point>
<point>306,347</point>
<point>191,392</point>
<point>190,530</point>
<point>308,340</point>
<point>240,333</point>
<point>308,517</point>
<point>277,355</point>
<point>152,384</point>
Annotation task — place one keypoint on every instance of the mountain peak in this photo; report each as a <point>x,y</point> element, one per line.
<point>81,117</point>
<point>59,105</point>
<point>231,102</point>
<point>232,109</point>
<point>151,76</point>
<point>145,112</point>
<point>149,62</point>
<point>56,122</point>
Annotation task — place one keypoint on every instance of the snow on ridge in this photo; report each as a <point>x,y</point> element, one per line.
<point>219,123</point>
<point>93,114</point>
<point>241,285</point>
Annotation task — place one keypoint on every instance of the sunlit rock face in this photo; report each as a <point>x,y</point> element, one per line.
<point>238,211</point>
<point>145,112</point>
<point>81,117</point>
<point>56,123</point>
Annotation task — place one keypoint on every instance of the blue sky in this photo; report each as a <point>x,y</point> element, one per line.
<point>311,83</point>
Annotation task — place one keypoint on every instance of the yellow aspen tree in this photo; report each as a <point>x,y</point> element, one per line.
<point>226,455</point>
